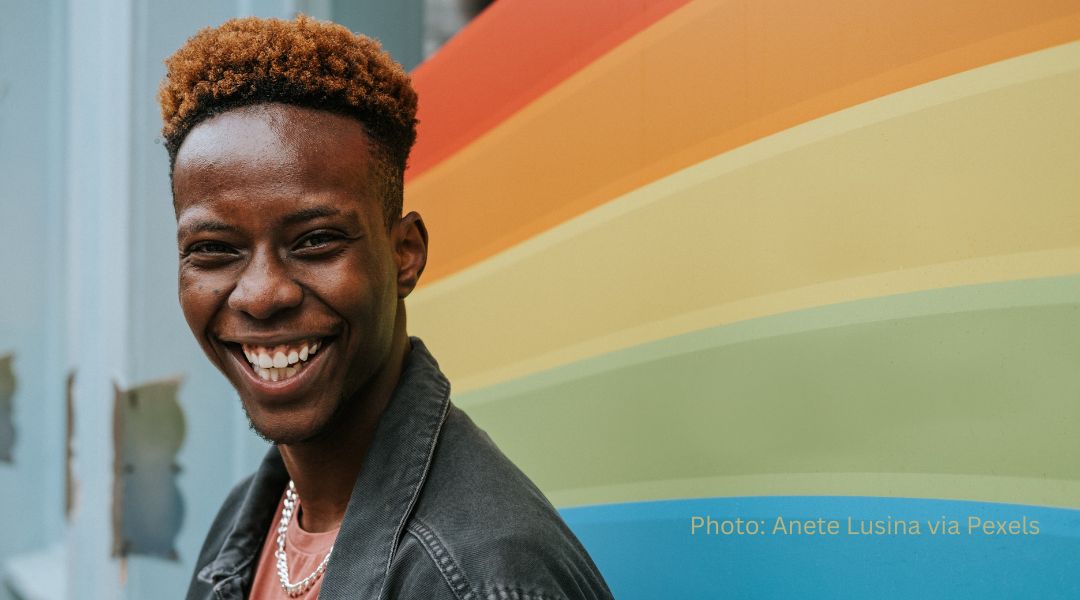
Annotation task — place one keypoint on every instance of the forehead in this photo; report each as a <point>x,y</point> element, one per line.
<point>273,149</point>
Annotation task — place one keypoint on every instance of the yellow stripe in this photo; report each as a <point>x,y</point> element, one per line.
<point>969,179</point>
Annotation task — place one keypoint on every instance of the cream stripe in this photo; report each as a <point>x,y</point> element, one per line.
<point>982,270</point>
<point>969,179</point>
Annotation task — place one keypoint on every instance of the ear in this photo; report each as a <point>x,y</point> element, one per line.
<point>410,252</point>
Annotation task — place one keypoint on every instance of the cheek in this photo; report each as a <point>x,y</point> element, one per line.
<point>350,281</point>
<point>362,293</point>
<point>199,296</point>
<point>383,291</point>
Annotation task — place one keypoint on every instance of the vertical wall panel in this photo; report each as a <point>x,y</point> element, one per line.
<point>31,306</point>
<point>98,204</point>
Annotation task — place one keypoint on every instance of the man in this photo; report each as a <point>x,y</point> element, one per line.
<point>287,143</point>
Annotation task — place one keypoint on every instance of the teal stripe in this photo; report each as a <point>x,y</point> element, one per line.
<point>646,550</point>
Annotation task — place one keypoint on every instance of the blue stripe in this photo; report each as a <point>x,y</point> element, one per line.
<point>646,549</point>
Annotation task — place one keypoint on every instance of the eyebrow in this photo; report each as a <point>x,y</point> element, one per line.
<point>204,225</point>
<point>310,214</point>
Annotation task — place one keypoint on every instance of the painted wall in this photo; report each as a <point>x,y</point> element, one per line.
<point>32,321</point>
<point>716,263</point>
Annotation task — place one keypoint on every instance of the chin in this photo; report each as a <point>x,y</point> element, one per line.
<point>285,432</point>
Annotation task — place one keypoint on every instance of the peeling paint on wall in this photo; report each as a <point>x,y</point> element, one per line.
<point>69,447</point>
<point>7,423</point>
<point>148,430</point>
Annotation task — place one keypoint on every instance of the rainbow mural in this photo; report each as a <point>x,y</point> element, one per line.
<point>770,259</point>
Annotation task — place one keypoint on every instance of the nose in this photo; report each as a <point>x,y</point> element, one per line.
<point>265,287</point>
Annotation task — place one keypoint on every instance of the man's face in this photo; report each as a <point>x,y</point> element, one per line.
<point>288,276</point>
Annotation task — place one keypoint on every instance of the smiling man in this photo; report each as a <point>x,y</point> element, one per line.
<point>287,144</point>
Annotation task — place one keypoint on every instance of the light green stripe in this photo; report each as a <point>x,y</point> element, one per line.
<point>1031,491</point>
<point>979,381</point>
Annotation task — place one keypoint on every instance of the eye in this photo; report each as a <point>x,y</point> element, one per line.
<point>317,241</point>
<point>210,248</point>
<point>209,253</point>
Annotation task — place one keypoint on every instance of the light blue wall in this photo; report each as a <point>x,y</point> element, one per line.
<point>32,231</point>
<point>89,275</point>
<point>398,25</point>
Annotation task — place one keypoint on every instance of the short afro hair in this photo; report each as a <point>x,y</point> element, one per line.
<point>304,62</point>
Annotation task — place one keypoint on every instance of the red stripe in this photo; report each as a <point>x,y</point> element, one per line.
<point>507,57</point>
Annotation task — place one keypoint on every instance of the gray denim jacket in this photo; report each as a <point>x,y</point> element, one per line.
<point>437,512</point>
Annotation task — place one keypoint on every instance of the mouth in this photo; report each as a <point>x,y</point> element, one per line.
<point>282,369</point>
<point>281,362</point>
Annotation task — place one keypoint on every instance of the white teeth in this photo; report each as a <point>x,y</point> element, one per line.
<point>278,364</point>
<point>276,374</point>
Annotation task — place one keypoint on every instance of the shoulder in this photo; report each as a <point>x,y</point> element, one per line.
<point>236,534</point>
<point>224,521</point>
<point>207,568</point>
<point>486,531</point>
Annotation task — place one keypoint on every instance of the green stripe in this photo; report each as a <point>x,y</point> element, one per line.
<point>981,381</point>
<point>1032,491</point>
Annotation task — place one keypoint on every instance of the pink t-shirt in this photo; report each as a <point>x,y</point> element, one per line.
<point>304,552</point>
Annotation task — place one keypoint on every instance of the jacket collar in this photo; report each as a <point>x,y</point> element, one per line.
<point>383,496</point>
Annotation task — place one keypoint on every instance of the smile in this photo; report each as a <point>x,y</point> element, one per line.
<point>281,362</point>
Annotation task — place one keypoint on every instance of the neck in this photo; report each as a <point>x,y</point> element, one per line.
<point>324,469</point>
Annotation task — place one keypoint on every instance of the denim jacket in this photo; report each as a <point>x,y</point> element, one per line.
<point>437,512</point>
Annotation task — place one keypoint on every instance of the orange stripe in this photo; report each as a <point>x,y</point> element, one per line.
<point>710,77</point>
<point>507,57</point>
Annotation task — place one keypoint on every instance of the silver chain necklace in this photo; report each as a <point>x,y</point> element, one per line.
<point>293,589</point>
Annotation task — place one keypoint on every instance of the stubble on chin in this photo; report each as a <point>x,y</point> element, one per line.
<point>297,437</point>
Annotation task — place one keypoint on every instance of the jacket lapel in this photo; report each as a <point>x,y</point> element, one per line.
<point>230,573</point>
<point>390,481</point>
